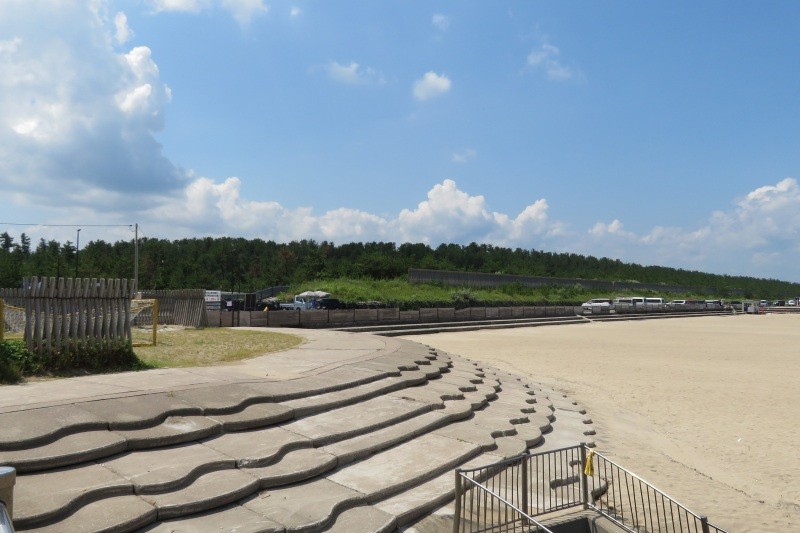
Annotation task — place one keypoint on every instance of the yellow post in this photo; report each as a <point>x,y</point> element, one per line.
<point>2,318</point>
<point>155,321</point>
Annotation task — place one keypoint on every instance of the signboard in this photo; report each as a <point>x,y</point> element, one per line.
<point>213,296</point>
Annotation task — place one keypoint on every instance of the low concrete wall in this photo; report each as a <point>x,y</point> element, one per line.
<point>370,317</point>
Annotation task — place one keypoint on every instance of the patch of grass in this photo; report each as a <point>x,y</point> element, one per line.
<point>210,346</point>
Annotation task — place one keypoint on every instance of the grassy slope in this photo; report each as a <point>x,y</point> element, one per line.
<point>402,292</point>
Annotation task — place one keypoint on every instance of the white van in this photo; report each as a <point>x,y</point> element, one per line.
<point>627,304</point>
<point>634,300</point>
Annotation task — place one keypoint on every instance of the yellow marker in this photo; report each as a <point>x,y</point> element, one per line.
<point>589,469</point>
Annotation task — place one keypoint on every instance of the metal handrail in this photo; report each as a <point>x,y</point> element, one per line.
<point>559,479</point>
<point>6,526</point>
<point>642,480</point>
<point>523,515</point>
<point>648,508</point>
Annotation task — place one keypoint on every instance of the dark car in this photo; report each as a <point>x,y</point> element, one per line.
<point>329,303</point>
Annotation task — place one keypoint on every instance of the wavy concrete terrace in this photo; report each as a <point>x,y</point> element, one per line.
<point>347,432</point>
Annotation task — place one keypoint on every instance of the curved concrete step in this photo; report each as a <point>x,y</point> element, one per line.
<point>119,514</point>
<point>167,469</point>
<point>375,450</point>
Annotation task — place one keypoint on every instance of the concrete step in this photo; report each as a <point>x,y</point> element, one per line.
<point>441,328</point>
<point>370,452</point>
<point>116,514</point>
<point>377,329</point>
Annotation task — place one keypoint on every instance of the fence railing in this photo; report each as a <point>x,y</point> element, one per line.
<point>637,506</point>
<point>186,307</point>
<point>65,314</point>
<point>507,496</point>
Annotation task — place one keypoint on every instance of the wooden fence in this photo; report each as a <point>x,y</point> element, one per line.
<point>66,314</point>
<point>185,307</point>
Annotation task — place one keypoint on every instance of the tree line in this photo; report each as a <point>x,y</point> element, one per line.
<point>247,265</point>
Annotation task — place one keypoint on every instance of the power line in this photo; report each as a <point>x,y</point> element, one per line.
<point>69,225</point>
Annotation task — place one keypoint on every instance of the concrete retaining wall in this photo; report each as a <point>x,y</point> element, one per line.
<point>367,317</point>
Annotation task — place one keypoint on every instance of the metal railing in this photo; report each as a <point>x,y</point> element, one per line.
<point>6,526</point>
<point>507,496</point>
<point>636,505</point>
<point>8,478</point>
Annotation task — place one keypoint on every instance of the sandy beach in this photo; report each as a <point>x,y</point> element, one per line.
<point>704,408</point>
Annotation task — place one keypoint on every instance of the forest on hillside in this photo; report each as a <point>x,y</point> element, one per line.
<point>247,265</point>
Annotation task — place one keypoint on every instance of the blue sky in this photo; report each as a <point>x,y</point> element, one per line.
<point>659,133</point>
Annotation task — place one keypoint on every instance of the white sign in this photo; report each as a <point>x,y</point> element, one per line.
<point>213,296</point>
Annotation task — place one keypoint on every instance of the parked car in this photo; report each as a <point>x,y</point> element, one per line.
<point>329,303</point>
<point>779,303</point>
<point>602,302</point>
<point>299,303</point>
<point>676,303</point>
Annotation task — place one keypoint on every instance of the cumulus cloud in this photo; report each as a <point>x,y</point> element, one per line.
<point>764,223</point>
<point>431,85</point>
<point>76,113</point>
<point>546,59</point>
<point>123,33</point>
<point>448,214</point>
<point>352,74</point>
<point>612,228</point>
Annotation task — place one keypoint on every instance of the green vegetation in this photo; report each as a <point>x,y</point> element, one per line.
<point>16,361</point>
<point>176,348</point>
<point>242,265</point>
<point>400,293</point>
<point>203,347</point>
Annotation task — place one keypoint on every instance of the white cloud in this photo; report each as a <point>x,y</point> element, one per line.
<point>431,85</point>
<point>74,113</point>
<point>464,156</point>
<point>123,33</point>
<point>441,21</point>
<point>352,74</point>
<point>295,12</point>
<point>448,214</point>
<point>242,10</point>
<point>191,6</point>
<point>545,58</point>
<point>765,223</point>
<point>612,228</point>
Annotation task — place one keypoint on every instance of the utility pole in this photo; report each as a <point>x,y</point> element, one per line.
<point>136,258</point>
<point>77,251</point>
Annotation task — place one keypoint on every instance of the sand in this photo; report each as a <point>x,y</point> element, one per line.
<point>704,408</point>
